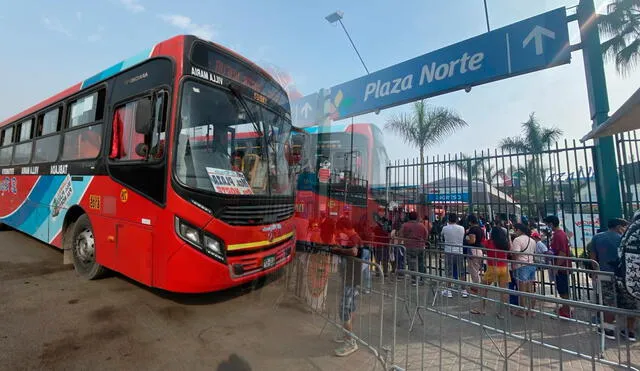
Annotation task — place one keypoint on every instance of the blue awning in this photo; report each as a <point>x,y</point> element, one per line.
<point>626,118</point>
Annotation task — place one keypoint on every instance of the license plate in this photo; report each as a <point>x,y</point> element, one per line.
<point>269,261</point>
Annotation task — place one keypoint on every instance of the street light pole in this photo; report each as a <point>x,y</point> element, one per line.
<point>337,17</point>
<point>333,18</point>
<point>354,45</point>
<point>486,15</point>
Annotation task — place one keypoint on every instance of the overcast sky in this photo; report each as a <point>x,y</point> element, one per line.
<point>48,46</point>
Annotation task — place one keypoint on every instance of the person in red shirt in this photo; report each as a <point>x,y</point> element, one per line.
<point>414,236</point>
<point>497,270</point>
<point>560,248</point>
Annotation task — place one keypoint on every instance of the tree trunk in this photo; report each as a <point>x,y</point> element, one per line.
<point>423,196</point>
<point>422,167</point>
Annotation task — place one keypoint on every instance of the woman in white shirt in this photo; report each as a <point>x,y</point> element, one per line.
<point>523,269</point>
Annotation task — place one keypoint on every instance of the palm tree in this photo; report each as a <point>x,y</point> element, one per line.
<point>481,170</point>
<point>424,126</point>
<point>621,25</point>
<point>535,140</point>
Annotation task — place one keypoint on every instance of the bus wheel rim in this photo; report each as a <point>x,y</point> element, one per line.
<point>85,246</point>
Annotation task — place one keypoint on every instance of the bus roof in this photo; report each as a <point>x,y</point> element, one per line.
<point>117,68</point>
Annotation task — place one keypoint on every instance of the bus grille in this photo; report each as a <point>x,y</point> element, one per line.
<point>255,215</point>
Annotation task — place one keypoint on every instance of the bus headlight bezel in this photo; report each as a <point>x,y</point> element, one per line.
<point>202,241</point>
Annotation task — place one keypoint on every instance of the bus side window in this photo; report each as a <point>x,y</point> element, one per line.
<point>47,143</point>
<point>6,149</point>
<point>125,139</point>
<point>83,136</point>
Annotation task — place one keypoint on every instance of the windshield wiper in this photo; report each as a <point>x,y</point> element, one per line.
<point>240,98</point>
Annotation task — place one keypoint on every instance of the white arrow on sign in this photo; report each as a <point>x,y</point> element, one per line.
<point>537,34</point>
<point>305,109</point>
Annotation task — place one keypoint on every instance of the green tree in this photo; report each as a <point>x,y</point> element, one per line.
<point>481,169</point>
<point>621,25</point>
<point>424,126</point>
<point>534,140</point>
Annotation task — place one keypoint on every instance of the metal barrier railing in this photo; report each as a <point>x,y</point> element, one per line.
<point>581,282</point>
<point>337,287</point>
<point>507,341</point>
<point>407,323</point>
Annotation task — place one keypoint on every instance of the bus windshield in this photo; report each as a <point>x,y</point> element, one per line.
<point>212,124</point>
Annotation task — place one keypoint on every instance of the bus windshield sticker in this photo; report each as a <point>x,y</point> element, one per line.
<point>229,182</point>
<point>62,196</point>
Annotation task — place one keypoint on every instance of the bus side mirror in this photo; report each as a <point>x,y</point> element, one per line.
<point>143,116</point>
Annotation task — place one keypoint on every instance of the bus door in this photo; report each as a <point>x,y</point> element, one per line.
<point>137,161</point>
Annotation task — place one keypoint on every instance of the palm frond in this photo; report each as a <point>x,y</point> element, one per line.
<point>532,132</point>
<point>621,25</point>
<point>441,122</point>
<point>514,145</point>
<point>549,136</point>
<point>426,126</point>
<point>488,173</point>
<point>461,163</point>
<point>403,126</point>
<point>627,58</point>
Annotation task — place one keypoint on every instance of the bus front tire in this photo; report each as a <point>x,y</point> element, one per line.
<point>83,247</point>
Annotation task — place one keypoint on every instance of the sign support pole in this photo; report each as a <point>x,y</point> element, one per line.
<point>470,186</point>
<point>323,120</point>
<point>607,182</point>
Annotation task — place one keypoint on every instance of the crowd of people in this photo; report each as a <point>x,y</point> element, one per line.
<point>499,253</point>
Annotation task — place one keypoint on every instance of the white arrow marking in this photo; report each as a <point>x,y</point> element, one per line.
<point>537,34</point>
<point>305,109</point>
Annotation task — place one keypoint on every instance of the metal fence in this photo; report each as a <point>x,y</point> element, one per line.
<point>434,331</point>
<point>407,323</point>
<point>498,185</point>
<point>628,158</point>
<point>512,187</point>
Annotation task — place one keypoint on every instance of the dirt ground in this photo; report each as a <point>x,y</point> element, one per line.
<point>51,319</point>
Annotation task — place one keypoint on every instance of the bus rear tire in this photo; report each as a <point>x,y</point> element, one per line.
<point>83,247</point>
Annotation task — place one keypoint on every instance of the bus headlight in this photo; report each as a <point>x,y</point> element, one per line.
<point>203,241</point>
<point>212,245</point>
<point>189,233</point>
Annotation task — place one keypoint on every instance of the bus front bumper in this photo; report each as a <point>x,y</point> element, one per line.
<point>190,271</point>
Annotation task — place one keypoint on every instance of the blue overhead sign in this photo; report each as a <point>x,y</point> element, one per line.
<point>304,110</point>
<point>529,45</point>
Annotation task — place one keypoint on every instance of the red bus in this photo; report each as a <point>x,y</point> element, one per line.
<point>350,173</point>
<point>131,170</point>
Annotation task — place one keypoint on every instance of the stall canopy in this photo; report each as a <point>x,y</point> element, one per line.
<point>626,118</point>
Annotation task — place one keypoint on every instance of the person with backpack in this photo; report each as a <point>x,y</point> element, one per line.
<point>497,270</point>
<point>473,238</point>
<point>628,274</point>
